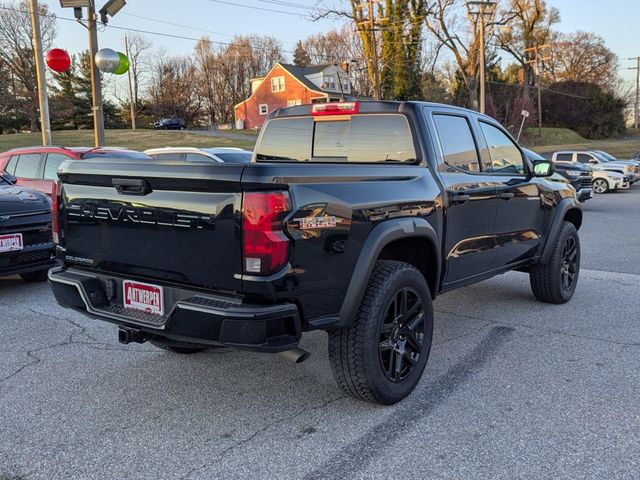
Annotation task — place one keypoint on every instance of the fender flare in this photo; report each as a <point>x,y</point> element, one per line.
<point>563,207</point>
<point>380,236</point>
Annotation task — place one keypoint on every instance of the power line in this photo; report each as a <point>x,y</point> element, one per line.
<point>164,22</point>
<point>253,7</point>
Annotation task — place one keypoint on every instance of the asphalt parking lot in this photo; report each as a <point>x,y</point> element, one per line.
<point>513,389</point>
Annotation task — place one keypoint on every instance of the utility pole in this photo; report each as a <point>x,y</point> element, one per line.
<point>96,87</point>
<point>371,22</point>
<point>536,59</point>
<point>43,101</point>
<point>132,100</point>
<point>637,104</point>
<point>480,10</point>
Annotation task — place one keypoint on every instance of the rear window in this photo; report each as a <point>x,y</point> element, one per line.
<point>360,139</point>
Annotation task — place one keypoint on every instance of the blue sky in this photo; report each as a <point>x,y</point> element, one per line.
<point>616,20</point>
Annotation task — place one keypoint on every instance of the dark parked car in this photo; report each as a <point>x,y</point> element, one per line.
<point>170,124</point>
<point>26,246</point>
<point>579,176</point>
<point>350,219</point>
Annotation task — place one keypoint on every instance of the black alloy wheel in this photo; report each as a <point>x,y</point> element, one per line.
<point>569,266</point>
<point>401,335</point>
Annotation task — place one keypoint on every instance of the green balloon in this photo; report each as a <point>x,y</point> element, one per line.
<point>123,67</point>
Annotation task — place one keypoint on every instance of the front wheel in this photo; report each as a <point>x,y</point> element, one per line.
<point>556,280</point>
<point>600,185</point>
<point>382,356</point>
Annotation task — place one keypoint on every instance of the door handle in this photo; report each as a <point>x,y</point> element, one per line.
<point>131,186</point>
<point>507,195</point>
<point>460,198</point>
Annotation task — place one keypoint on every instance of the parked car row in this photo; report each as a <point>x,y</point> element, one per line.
<point>28,184</point>
<point>595,171</point>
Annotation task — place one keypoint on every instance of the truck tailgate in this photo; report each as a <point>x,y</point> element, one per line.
<point>173,221</point>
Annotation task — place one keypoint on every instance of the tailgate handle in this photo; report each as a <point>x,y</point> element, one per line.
<point>131,186</point>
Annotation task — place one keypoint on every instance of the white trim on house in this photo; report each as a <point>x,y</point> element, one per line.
<point>293,103</point>
<point>277,84</point>
<point>269,73</point>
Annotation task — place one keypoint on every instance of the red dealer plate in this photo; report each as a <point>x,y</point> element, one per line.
<point>144,297</point>
<point>11,243</point>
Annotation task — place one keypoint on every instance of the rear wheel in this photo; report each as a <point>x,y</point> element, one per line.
<point>556,281</point>
<point>39,276</point>
<point>382,356</point>
<point>600,185</point>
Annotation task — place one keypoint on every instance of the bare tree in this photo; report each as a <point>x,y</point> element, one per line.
<point>531,22</point>
<point>583,57</point>
<point>17,51</point>
<point>446,21</point>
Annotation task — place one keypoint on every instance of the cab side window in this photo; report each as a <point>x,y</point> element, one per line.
<point>27,166</point>
<point>564,157</point>
<point>458,146</point>
<point>505,156</point>
<point>584,158</point>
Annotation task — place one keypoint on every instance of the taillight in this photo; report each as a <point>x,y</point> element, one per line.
<point>55,213</point>
<point>342,108</point>
<point>265,246</point>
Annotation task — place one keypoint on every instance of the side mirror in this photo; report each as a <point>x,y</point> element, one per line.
<point>593,160</point>
<point>542,168</point>
<point>9,178</point>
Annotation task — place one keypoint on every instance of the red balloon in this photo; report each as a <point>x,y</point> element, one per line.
<point>58,60</point>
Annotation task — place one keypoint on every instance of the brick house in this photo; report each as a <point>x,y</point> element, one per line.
<point>286,85</point>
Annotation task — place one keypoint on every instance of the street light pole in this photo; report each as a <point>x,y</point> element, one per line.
<point>637,104</point>
<point>96,87</point>
<point>132,100</point>
<point>43,101</point>
<point>482,64</point>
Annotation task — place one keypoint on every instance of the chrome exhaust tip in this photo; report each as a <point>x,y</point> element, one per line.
<point>295,355</point>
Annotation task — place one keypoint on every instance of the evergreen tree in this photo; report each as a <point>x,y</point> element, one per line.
<point>401,49</point>
<point>301,56</point>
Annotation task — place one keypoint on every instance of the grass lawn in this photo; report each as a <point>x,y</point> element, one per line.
<point>564,139</point>
<point>136,140</point>
<point>552,139</point>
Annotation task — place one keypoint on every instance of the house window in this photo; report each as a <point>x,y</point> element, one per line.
<point>292,103</point>
<point>263,108</point>
<point>329,82</point>
<point>277,84</point>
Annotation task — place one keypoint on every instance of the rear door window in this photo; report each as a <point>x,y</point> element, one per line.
<point>359,139</point>
<point>11,166</point>
<point>52,163</point>
<point>564,157</point>
<point>458,146</point>
<point>27,166</point>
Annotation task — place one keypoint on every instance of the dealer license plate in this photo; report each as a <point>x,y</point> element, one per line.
<point>11,243</point>
<point>143,296</point>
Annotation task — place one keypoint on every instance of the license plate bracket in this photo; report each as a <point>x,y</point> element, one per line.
<point>144,297</point>
<point>11,243</point>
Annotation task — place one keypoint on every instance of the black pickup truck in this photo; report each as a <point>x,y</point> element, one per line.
<point>351,219</point>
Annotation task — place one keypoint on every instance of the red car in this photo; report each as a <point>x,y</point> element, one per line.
<point>37,167</point>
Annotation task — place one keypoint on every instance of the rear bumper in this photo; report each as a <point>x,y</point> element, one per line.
<point>191,316</point>
<point>33,258</point>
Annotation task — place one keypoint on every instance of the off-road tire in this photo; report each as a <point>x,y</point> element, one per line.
<point>39,276</point>
<point>546,280</point>
<point>354,354</point>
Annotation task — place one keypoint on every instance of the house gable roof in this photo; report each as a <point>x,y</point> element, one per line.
<point>298,73</point>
